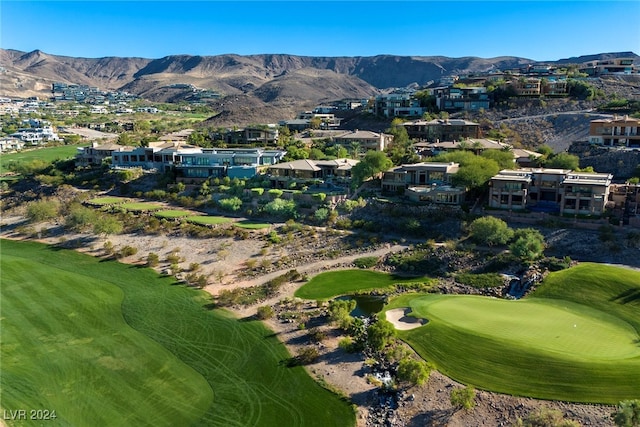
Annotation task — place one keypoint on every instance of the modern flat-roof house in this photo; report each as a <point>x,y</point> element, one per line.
<point>10,144</point>
<point>397,104</point>
<point>158,155</point>
<point>609,66</point>
<point>336,171</point>
<point>424,182</point>
<point>195,164</point>
<point>462,99</point>
<point>366,139</point>
<point>220,162</point>
<point>442,130</point>
<point>550,190</point>
<point>616,132</point>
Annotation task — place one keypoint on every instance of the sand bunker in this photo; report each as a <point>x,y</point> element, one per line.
<point>399,319</point>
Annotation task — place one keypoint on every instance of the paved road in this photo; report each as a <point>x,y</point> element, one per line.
<point>89,133</point>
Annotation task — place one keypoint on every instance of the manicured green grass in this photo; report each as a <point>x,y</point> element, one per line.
<point>172,213</point>
<point>103,201</point>
<point>208,220</point>
<point>141,207</point>
<point>252,225</point>
<point>110,344</point>
<point>48,154</point>
<point>577,338</point>
<point>334,283</point>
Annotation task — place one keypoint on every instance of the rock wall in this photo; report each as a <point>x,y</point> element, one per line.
<point>621,163</point>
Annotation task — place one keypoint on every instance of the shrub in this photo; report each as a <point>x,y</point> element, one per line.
<point>257,191</point>
<point>545,417</point>
<point>415,372</point>
<point>43,210</point>
<point>282,208</point>
<point>264,312</point>
<point>275,193</point>
<point>107,224</point>
<point>153,259</point>
<point>490,230</point>
<point>128,251</point>
<point>319,197</point>
<point>321,214</point>
<point>307,355</point>
<point>463,398</point>
<point>230,204</point>
<point>366,262</point>
<point>317,335</point>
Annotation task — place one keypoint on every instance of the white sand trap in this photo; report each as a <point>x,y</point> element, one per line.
<point>399,319</point>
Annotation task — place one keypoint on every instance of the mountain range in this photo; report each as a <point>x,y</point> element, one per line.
<point>278,83</point>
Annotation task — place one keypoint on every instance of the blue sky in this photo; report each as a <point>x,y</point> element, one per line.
<point>541,30</point>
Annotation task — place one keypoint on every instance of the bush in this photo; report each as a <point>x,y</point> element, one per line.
<point>321,215</point>
<point>307,355</point>
<point>415,372</point>
<point>490,231</point>
<point>43,210</point>
<point>319,197</point>
<point>153,259</point>
<point>282,208</point>
<point>264,312</point>
<point>545,417</point>
<point>463,398</point>
<point>366,262</point>
<point>275,193</point>
<point>230,204</point>
<point>128,251</point>
<point>257,191</point>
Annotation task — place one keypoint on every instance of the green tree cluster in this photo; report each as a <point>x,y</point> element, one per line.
<point>370,166</point>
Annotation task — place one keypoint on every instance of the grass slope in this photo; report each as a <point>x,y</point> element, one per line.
<point>577,338</point>
<point>105,343</point>
<point>334,283</point>
<point>48,154</point>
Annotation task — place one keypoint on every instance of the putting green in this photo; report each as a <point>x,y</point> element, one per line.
<point>557,326</point>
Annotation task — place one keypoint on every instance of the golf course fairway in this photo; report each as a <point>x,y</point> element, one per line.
<point>104,343</point>
<point>559,348</point>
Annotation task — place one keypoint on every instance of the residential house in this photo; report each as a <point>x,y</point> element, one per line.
<point>550,190</point>
<point>222,162</point>
<point>609,66</point>
<point>527,86</point>
<point>615,132</point>
<point>365,139</point>
<point>259,136</point>
<point>477,145</point>
<point>442,130</point>
<point>10,144</point>
<point>336,171</point>
<point>626,202</point>
<point>424,182</point>
<point>461,99</point>
<point>397,104</point>
<point>158,155</point>
<point>96,154</point>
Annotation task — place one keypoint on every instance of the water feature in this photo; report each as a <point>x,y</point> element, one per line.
<point>366,305</point>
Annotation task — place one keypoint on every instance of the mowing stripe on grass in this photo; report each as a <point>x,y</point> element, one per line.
<point>85,337</point>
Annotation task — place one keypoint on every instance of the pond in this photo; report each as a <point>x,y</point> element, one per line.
<point>366,305</point>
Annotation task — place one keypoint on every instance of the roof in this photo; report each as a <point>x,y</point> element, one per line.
<point>485,144</point>
<point>519,153</point>
<point>359,134</point>
<point>302,164</point>
<point>442,122</point>
<point>588,178</point>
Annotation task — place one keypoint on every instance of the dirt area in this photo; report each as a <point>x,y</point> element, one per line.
<point>428,405</point>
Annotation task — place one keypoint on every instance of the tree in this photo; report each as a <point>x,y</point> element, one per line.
<point>627,414</point>
<point>490,230</point>
<point>476,173</point>
<point>563,161</point>
<point>413,371</point>
<point>265,312</point>
<point>231,204</point>
<point>107,224</point>
<point>528,244</point>
<point>463,398</point>
<point>340,313</point>
<point>504,159</point>
<point>380,334</point>
<point>371,165</point>
<point>43,210</point>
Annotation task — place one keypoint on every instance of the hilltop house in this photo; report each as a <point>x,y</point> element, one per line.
<point>442,130</point>
<point>365,139</point>
<point>616,132</point>
<point>337,171</point>
<point>424,182</point>
<point>550,190</point>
